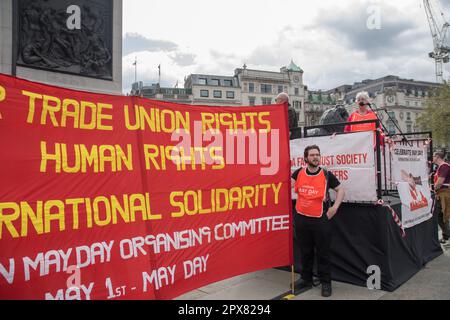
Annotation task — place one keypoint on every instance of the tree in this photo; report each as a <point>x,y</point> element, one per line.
<point>436,116</point>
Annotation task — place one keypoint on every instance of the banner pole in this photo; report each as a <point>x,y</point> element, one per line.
<point>378,160</point>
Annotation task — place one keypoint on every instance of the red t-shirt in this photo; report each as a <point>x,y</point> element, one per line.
<point>443,172</point>
<point>356,117</point>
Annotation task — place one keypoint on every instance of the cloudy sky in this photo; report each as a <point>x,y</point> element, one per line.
<point>334,42</point>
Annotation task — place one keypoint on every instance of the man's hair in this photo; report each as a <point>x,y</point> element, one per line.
<point>308,149</point>
<point>284,96</point>
<point>440,155</point>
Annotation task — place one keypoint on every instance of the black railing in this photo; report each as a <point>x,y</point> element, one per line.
<point>429,135</point>
<point>377,147</point>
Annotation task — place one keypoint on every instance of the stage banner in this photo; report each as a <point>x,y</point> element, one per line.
<point>114,197</point>
<point>350,157</point>
<point>410,174</point>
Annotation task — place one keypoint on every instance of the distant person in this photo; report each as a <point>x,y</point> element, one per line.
<point>313,229</point>
<point>442,190</point>
<point>295,133</point>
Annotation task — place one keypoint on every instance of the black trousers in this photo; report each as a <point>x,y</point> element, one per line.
<point>445,225</point>
<point>313,236</point>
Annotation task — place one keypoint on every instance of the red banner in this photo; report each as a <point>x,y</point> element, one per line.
<point>111,197</point>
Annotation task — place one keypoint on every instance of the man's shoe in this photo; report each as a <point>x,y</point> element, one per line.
<point>326,290</point>
<point>316,282</point>
<point>444,242</point>
<point>302,285</point>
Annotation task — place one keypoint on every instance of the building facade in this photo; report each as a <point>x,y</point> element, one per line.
<point>213,90</point>
<point>177,95</point>
<point>262,87</point>
<point>399,101</point>
<point>246,88</point>
<point>77,44</point>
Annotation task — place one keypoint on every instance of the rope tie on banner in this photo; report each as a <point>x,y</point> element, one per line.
<point>394,215</point>
<point>427,143</point>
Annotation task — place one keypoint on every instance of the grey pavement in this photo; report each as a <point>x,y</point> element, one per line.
<point>431,283</point>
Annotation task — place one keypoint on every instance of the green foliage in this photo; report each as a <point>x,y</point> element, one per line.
<point>436,116</point>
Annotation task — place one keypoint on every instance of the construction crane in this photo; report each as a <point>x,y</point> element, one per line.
<point>441,53</point>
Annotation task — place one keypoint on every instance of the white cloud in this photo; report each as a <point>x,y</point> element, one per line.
<point>217,37</point>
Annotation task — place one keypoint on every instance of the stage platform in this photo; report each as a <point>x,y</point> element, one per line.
<point>367,235</point>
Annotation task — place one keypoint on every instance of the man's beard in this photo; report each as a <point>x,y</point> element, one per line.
<point>311,164</point>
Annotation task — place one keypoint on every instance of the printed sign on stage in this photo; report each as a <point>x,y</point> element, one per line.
<point>350,157</point>
<point>410,174</point>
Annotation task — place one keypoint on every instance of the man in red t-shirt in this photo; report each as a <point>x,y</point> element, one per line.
<point>313,229</point>
<point>442,189</point>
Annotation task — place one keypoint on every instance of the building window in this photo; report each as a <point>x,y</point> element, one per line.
<point>266,101</point>
<point>266,88</point>
<point>204,93</point>
<point>251,87</point>
<point>251,101</point>
<point>407,103</point>
<point>230,94</point>
<point>392,114</point>
<point>408,116</point>
<point>227,83</point>
<point>217,94</point>
<point>280,89</point>
<point>408,128</point>
<point>391,129</point>
<point>202,81</point>
<point>417,104</point>
<point>215,82</point>
<point>297,91</point>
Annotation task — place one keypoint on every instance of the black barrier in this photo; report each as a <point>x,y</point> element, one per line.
<point>374,239</point>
